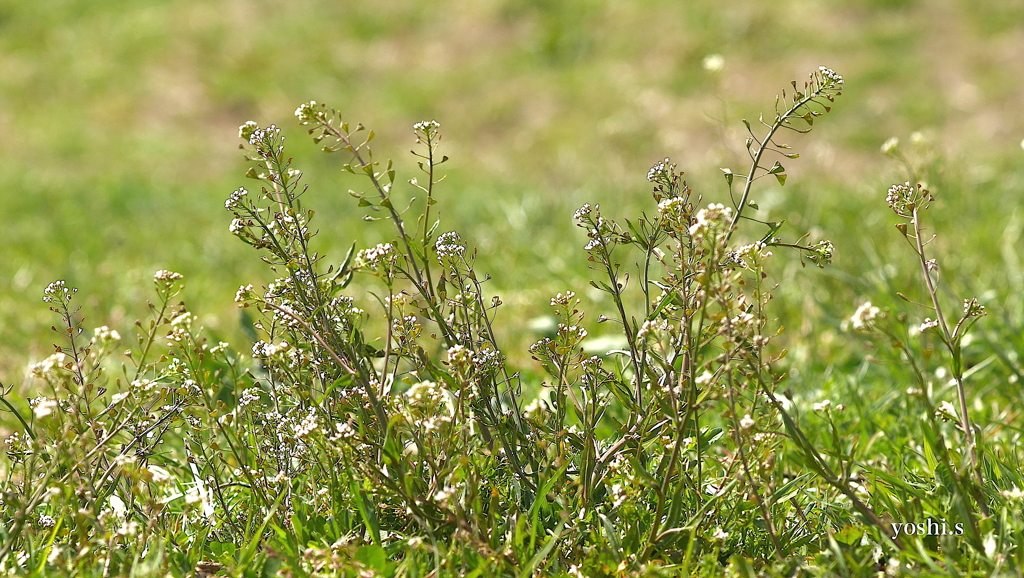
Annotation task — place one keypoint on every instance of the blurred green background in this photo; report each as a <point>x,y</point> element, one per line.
<point>118,136</point>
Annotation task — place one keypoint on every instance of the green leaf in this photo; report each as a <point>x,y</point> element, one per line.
<point>367,511</point>
<point>772,229</point>
<point>247,554</point>
<point>223,552</point>
<point>543,553</point>
<point>849,535</point>
<point>374,557</point>
<point>728,175</point>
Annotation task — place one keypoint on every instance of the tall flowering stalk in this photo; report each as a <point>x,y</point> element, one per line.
<point>909,202</point>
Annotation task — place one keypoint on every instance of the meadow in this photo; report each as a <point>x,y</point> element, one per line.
<point>802,445</point>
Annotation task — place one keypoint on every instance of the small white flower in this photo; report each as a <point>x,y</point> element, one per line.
<point>747,422</point>
<point>822,405</point>
<point>537,410</point>
<point>946,412</point>
<point>890,145</point>
<point>45,408</point>
<point>713,63</point>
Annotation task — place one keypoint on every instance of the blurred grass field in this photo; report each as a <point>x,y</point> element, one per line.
<point>118,134</point>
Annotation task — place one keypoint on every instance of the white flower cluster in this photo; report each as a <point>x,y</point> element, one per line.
<point>427,127</point>
<point>831,77</point>
<point>245,131</point>
<point>308,425</point>
<point>710,220</point>
<point>676,211</point>
<point>460,356</point>
<point>58,291</point>
<point>268,350</point>
<point>750,255</point>
<point>661,171</point>
<point>821,253</point>
<point>429,406</point>
<point>43,407</point>
<point>563,299</point>
<point>144,385</point>
<point>267,142</point>
<point>424,394</point>
<point>864,317</point>
<point>306,112</point>
<point>235,199</point>
<point>383,253</point>
<point>618,494</point>
<point>406,329</point>
<point>167,276</point>
<point>49,366</point>
<point>449,245</point>
<point>249,396</point>
<point>572,333</point>
<point>244,293</point>
<point>582,212</point>
<point>237,226</point>
<point>972,308</point>
<point>105,334</point>
<point>487,358</point>
<point>903,199</point>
